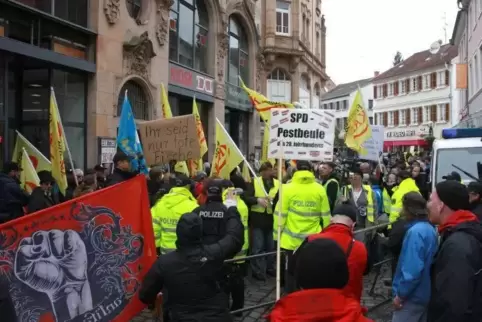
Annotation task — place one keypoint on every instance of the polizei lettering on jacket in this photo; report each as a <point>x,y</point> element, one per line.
<point>211,214</point>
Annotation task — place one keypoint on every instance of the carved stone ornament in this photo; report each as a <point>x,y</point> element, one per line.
<point>220,91</point>
<point>223,44</point>
<point>112,10</point>
<point>138,52</point>
<point>295,61</point>
<point>260,66</point>
<point>162,26</point>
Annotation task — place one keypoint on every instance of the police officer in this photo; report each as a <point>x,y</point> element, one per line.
<point>167,211</point>
<point>407,184</point>
<point>215,213</point>
<point>305,210</point>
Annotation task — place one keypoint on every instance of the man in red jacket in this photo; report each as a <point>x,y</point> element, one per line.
<point>341,231</point>
<point>321,274</point>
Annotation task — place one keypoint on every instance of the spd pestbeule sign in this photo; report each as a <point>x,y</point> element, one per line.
<point>301,134</point>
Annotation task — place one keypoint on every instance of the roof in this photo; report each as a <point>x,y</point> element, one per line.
<point>419,61</point>
<point>345,89</point>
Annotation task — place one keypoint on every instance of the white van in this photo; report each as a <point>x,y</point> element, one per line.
<point>459,150</point>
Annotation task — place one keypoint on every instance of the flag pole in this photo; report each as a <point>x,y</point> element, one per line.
<point>278,243</point>
<point>65,137</point>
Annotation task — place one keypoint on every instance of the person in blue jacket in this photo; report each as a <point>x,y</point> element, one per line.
<point>411,283</point>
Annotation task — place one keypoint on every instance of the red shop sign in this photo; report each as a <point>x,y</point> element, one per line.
<point>189,79</point>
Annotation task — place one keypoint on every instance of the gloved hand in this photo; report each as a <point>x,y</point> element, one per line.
<point>55,263</point>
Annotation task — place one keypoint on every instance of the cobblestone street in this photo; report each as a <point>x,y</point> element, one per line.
<point>261,292</point>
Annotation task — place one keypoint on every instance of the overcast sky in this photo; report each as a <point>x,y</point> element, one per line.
<point>364,35</point>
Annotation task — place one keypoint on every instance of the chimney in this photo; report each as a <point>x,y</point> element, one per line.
<point>376,73</point>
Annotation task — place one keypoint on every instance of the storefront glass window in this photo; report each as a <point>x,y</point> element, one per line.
<point>238,62</point>
<point>188,34</point>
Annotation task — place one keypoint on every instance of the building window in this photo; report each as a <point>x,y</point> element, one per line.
<point>427,114</point>
<point>317,44</point>
<point>370,104</point>
<point>238,62</point>
<point>134,8</point>
<point>316,98</point>
<point>188,34</point>
<point>391,118</point>
<point>476,74</point>
<point>345,105</point>
<point>471,79</point>
<point>370,119</point>
<point>426,81</point>
<point>414,84</point>
<point>403,86</point>
<point>338,105</point>
<point>443,111</point>
<point>282,17</point>
<point>137,98</point>
<point>390,89</point>
<point>377,119</point>
<point>279,86</point>
<point>74,11</point>
<point>402,118</point>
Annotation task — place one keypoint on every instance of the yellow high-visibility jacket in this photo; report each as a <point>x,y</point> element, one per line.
<point>406,186</point>
<point>244,212</point>
<point>167,212</point>
<point>305,210</point>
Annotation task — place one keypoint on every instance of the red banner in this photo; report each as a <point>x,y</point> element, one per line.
<point>82,260</point>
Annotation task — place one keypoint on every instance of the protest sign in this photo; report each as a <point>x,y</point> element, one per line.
<point>374,145</point>
<point>301,134</point>
<point>165,140</point>
<point>82,260</point>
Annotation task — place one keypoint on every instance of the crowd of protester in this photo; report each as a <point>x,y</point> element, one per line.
<point>435,246</point>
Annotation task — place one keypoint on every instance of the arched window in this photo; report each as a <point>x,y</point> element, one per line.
<point>238,62</point>
<point>188,34</point>
<point>134,8</point>
<point>316,97</point>
<point>279,86</point>
<point>137,98</point>
<point>304,94</point>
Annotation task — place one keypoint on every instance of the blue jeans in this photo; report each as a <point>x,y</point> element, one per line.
<point>262,242</point>
<point>410,312</point>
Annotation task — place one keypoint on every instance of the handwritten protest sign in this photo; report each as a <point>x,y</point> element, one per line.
<point>165,140</point>
<point>374,145</point>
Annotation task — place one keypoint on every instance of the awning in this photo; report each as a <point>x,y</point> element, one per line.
<point>417,142</point>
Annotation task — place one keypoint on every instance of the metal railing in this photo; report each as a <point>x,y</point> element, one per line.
<point>271,303</point>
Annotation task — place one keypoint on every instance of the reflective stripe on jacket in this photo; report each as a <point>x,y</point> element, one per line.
<point>387,201</point>
<point>370,200</point>
<point>406,186</point>
<point>166,213</point>
<point>305,210</point>
<point>259,192</point>
<point>244,212</point>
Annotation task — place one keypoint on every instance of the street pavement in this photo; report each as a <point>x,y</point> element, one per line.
<point>378,302</point>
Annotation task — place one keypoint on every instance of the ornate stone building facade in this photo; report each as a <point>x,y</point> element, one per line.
<point>195,48</point>
<point>293,44</point>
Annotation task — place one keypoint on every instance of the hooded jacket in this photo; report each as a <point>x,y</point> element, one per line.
<point>12,199</point>
<point>317,305</point>
<point>356,253</point>
<point>189,275</point>
<point>456,263</point>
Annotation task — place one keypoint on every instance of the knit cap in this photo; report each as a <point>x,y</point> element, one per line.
<point>346,209</point>
<point>453,194</point>
<point>321,263</point>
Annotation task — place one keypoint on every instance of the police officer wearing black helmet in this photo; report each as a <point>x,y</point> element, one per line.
<point>215,213</point>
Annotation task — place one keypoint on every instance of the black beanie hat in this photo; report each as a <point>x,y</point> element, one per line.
<point>453,194</point>
<point>321,263</point>
<point>346,209</point>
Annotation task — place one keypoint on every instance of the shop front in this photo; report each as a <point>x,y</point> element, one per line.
<point>39,52</point>
<point>186,84</point>
<point>405,139</point>
<point>237,113</point>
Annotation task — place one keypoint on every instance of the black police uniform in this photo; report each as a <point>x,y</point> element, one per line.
<point>215,215</point>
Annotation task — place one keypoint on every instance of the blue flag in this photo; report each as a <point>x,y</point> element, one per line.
<point>128,139</point>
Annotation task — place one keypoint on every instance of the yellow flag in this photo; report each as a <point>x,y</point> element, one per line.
<point>246,174</point>
<point>57,145</point>
<point>358,128</point>
<point>199,128</point>
<point>39,161</point>
<point>181,167</point>
<point>195,166</point>
<point>262,104</point>
<point>226,156</point>
<point>29,179</point>
<point>166,107</point>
